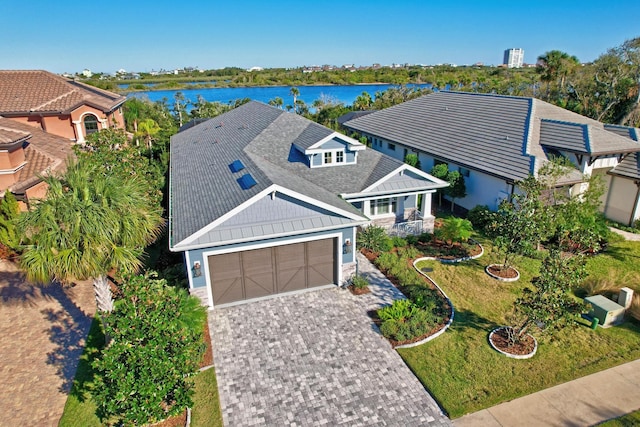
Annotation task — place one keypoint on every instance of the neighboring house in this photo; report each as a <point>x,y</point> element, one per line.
<point>494,141</point>
<point>264,202</point>
<point>26,155</point>
<point>58,105</point>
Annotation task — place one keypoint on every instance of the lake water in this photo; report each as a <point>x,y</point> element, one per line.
<point>344,94</point>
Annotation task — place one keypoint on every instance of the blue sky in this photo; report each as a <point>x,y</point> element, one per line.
<point>107,36</point>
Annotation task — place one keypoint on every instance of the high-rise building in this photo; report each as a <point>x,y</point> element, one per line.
<point>513,58</point>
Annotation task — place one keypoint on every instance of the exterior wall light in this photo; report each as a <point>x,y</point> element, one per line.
<point>197,271</point>
<point>346,247</point>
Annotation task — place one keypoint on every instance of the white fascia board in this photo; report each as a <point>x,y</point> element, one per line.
<point>358,197</point>
<point>264,193</point>
<point>186,247</point>
<point>438,183</point>
<point>225,217</point>
<point>352,143</point>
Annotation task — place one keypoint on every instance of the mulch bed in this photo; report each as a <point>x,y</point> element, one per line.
<point>505,273</point>
<point>500,339</point>
<point>359,291</point>
<point>443,250</point>
<point>374,317</point>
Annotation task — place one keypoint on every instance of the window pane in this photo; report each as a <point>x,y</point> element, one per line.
<point>327,158</point>
<point>339,157</point>
<point>90,124</point>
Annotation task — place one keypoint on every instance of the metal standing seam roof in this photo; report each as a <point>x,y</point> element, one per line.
<point>203,188</point>
<point>500,135</point>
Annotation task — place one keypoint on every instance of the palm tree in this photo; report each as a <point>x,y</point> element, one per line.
<point>90,223</point>
<point>556,66</point>
<point>276,102</point>
<point>295,93</point>
<point>148,129</point>
<point>363,102</point>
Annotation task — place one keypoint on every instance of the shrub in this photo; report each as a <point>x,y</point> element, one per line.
<point>386,260</point>
<point>455,230</point>
<point>408,253</point>
<point>375,239</point>
<point>398,242</point>
<point>424,298</point>
<point>359,282</point>
<point>401,309</point>
<point>156,345</point>
<point>484,219</point>
<point>412,240</point>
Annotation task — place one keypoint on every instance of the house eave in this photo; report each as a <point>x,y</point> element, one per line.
<point>183,248</point>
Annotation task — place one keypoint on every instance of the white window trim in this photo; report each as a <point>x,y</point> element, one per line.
<point>372,206</point>
<point>334,154</point>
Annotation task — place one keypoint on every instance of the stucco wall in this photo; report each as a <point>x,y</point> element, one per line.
<point>11,160</point>
<point>621,199</point>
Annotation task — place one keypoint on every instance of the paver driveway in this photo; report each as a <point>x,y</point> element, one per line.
<point>42,333</point>
<point>313,359</point>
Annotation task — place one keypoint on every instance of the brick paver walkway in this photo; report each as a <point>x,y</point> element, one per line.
<point>42,332</point>
<point>314,359</point>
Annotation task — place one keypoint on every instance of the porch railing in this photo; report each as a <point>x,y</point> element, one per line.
<point>407,228</point>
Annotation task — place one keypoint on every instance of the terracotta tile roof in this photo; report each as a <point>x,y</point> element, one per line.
<point>9,135</point>
<point>44,153</point>
<point>37,91</point>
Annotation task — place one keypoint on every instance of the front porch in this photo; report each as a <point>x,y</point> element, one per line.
<point>400,216</point>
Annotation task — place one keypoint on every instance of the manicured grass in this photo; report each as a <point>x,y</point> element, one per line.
<point>206,403</point>
<point>630,420</point>
<point>465,374</point>
<point>80,409</point>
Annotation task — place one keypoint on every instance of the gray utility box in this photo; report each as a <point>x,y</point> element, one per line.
<point>608,312</point>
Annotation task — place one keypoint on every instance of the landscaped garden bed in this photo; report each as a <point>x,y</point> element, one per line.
<point>465,374</point>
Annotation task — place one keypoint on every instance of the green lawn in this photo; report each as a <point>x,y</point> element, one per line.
<point>630,420</point>
<point>80,409</point>
<point>465,374</point>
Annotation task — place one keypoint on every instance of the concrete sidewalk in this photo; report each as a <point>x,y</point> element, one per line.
<point>583,402</point>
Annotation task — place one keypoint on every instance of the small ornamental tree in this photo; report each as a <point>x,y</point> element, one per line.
<point>143,375</point>
<point>440,171</point>
<point>521,222</point>
<point>412,159</point>
<point>457,188</point>
<point>549,303</point>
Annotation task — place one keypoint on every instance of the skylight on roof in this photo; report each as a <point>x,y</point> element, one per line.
<point>246,181</point>
<point>236,166</point>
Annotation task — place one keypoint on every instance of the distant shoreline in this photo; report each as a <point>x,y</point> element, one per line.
<point>183,86</point>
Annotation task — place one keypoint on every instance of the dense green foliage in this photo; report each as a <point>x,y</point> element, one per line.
<point>143,375</point>
<point>455,230</point>
<point>90,223</point>
<point>374,238</point>
<point>9,214</point>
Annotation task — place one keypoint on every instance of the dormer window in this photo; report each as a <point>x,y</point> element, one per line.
<point>328,158</point>
<point>339,156</point>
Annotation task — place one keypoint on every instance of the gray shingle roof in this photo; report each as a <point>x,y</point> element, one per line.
<point>500,135</point>
<point>203,187</point>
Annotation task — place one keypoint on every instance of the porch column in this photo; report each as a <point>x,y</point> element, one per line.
<point>366,207</point>
<point>425,206</point>
<point>78,126</point>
